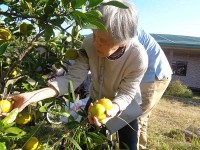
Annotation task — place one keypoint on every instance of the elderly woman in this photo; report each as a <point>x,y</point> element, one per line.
<point>117,63</point>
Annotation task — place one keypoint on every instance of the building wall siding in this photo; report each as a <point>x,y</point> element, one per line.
<point>192,78</point>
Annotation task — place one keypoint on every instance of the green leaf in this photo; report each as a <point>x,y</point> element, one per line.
<point>3,48</point>
<point>65,114</point>
<point>98,138</point>
<point>72,124</point>
<point>57,21</point>
<point>40,103</point>
<point>79,14</point>
<point>93,24</point>
<point>48,32</point>
<point>79,3</point>
<point>15,130</point>
<point>94,14</point>
<point>9,125</point>
<point>26,86</point>
<point>93,3</point>
<point>65,2</point>
<point>43,109</point>
<point>73,142</point>
<point>11,117</point>
<point>72,97</point>
<point>49,9</point>
<point>117,4</point>
<point>29,7</point>
<point>3,146</point>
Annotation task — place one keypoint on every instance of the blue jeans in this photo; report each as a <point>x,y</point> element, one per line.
<point>129,136</point>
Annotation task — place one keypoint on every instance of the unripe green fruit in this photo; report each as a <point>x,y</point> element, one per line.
<point>98,111</point>
<point>71,54</point>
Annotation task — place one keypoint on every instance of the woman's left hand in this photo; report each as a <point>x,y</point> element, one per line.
<point>109,114</point>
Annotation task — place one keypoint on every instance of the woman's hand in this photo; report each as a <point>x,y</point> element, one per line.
<point>3,114</point>
<point>113,112</point>
<point>109,114</point>
<point>93,119</point>
<point>20,101</point>
<point>24,99</point>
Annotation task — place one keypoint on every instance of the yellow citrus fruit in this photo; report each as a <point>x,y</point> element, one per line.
<point>101,117</point>
<point>31,144</point>
<point>107,103</point>
<point>40,147</point>
<point>23,118</point>
<point>14,73</point>
<point>5,34</point>
<point>98,111</point>
<point>71,54</point>
<point>6,106</point>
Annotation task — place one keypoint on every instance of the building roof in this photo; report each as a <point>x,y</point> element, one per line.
<point>177,40</point>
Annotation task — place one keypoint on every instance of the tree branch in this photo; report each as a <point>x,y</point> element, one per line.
<point>27,50</point>
<point>10,14</point>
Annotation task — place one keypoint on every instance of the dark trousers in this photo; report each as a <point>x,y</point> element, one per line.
<point>128,137</point>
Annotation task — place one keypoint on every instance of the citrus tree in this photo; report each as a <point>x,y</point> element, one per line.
<point>38,34</point>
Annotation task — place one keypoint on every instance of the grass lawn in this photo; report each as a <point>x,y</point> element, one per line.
<point>169,118</point>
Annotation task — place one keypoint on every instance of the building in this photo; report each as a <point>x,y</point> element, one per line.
<point>183,53</point>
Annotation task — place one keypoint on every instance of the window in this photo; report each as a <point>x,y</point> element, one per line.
<point>179,68</point>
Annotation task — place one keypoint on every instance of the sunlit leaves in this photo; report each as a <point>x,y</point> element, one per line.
<point>93,3</point>
<point>78,3</point>
<point>11,117</point>
<point>116,3</point>
<point>48,32</point>
<point>3,48</point>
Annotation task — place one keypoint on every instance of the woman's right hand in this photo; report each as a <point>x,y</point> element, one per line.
<point>24,99</point>
<point>21,100</point>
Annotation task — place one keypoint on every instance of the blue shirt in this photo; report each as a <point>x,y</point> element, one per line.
<point>158,65</point>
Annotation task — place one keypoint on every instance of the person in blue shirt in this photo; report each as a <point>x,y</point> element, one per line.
<point>154,83</point>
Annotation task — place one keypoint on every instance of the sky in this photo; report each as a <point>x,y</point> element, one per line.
<point>177,17</point>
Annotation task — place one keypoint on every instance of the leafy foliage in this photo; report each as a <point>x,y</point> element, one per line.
<point>34,36</point>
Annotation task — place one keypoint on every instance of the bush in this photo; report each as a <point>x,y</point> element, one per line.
<point>176,88</point>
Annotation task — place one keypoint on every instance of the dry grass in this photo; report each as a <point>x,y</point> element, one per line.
<point>168,116</point>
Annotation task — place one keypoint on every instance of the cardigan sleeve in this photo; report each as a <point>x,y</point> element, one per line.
<point>77,73</point>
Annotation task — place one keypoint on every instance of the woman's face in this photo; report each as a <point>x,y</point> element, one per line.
<point>104,43</point>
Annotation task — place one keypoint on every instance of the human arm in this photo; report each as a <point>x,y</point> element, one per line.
<point>158,64</point>
<point>57,86</point>
<point>24,99</point>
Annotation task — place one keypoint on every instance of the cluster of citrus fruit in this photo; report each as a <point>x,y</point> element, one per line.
<point>99,109</point>
<point>6,105</point>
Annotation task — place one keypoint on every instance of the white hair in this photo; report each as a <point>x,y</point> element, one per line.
<point>121,22</point>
